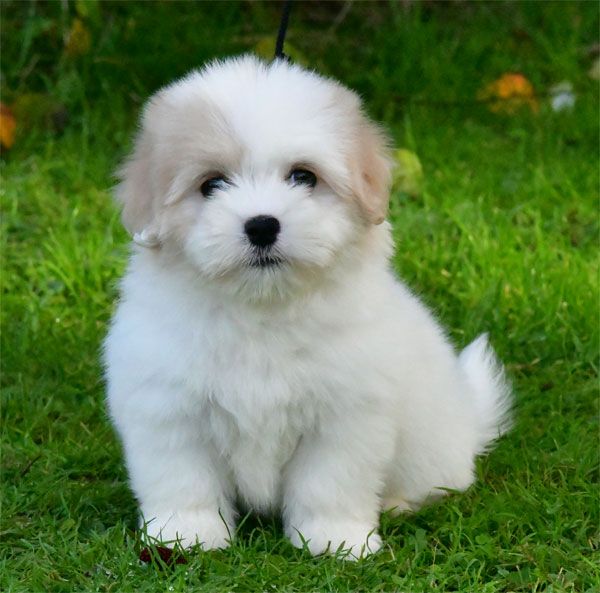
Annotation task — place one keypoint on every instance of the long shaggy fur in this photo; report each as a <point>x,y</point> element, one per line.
<point>318,387</point>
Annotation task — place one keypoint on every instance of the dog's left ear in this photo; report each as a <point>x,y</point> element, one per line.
<point>371,169</point>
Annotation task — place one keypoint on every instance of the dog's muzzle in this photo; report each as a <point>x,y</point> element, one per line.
<point>262,259</point>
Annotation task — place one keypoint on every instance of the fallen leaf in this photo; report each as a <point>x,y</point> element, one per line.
<point>167,555</point>
<point>508,94</point>
<point>78,39</point>
<point>8,125</point>
<point>408,174</point>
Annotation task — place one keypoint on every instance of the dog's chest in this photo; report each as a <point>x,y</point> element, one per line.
<point>259,381</point>
<point>256,450</point>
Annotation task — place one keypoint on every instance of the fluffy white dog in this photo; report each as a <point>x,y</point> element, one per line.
<point>263,353</point>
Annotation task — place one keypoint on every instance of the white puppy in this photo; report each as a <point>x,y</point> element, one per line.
<point>263,352</point>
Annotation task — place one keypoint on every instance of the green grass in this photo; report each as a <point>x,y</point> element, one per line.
<point>503,239</point>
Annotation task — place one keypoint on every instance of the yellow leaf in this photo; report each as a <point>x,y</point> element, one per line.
<point>8,125</point>
<point>78,39</point>
<point>408,173</point>
<point>509,93</point>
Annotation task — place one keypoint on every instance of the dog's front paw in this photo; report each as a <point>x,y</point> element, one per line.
<point>189,527</point>
<point>350,540</point>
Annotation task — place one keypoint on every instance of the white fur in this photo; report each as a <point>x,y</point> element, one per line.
<point>321,388</point>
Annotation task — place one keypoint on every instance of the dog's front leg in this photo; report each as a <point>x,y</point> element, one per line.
<point>183,492</point>
<point>333,484</point>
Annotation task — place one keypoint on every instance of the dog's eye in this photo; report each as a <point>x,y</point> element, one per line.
<point>212,184</point>
<point>303,177</point>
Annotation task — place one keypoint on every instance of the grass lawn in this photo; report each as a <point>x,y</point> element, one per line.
<point>503,238</point>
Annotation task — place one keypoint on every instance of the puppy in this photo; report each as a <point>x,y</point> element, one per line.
<point>262,352</point>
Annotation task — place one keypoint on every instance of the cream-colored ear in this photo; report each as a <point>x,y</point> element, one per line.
<point>135,190</point>
<point>371,168</point>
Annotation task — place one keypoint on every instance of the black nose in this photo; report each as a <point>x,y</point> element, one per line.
<point>262,230</point>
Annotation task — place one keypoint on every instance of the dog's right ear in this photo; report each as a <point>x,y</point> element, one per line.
<point>371,167</point>
<point>135,193</point>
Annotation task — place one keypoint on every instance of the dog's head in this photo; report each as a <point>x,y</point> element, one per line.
<point>263,176</point>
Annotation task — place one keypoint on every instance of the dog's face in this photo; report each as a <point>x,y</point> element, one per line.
<point>263,176</point>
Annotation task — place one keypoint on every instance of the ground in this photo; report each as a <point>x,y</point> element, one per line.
<point>502,237</point>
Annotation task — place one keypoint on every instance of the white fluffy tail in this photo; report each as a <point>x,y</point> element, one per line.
<point>492,391</point>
